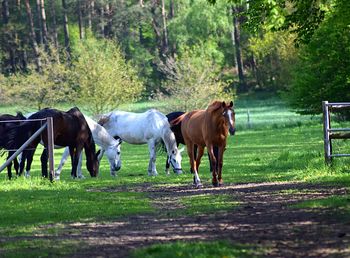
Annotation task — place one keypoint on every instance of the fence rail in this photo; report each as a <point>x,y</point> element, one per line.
<point>328,132</point>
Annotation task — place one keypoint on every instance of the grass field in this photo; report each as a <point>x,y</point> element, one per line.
<point>279,146</point>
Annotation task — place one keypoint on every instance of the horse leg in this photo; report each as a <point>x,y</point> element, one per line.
<point>152,171</point>
<point>28,155</point>
<point>213,164</point>
<point>16,165</point>
<point>167,166</point>
<point>190,151</point>
<point>216,153</point>
<point>220,164</point>
<point>199,157</point>
<point>62,162</point>
<point>74,158</point>
<point>44,158</point>
<point>9,167</point>
<point>80,162</point>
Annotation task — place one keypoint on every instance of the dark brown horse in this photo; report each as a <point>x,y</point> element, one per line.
<point>69,128</point>
<point>6,122</point>
<point>207,128</point>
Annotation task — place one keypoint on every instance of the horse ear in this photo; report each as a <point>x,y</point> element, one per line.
<point>98,153</point>
<point>231,104</point>
<point>182,149</point>
<point>223,104</point>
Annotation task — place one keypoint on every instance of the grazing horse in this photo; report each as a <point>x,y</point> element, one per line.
<point>150,127</point>
<point>70,129</point>
<point>180,139</point>
<point>9,121</point>
<point>207,128</point>
<point>107,143</point>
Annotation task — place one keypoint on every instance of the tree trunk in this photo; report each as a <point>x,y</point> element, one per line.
<point>165,30</point>
<point>43,22</point>
<point>54,23</point>
<point>91,7</point>
<point>66,30</point>
<point>172,10</point>
<point>80,15</point>
<point>237,43</point>
<point>32,36</point>
<point>40,26</point>
<point>156,28</point>
<point>5,19</point>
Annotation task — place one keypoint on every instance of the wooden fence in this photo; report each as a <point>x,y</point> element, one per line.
<point>333,133</point>
<point>50,147</point>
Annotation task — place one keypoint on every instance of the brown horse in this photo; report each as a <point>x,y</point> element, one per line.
<point>207,128</point>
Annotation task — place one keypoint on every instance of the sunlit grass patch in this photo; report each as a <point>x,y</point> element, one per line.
<point>199,249</point>
<point>207,203</point>
<point>337,206</point>
<point>17,247</point>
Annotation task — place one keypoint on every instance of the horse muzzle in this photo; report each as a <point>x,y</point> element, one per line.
<point>232,131</point>
<point>178,171</point>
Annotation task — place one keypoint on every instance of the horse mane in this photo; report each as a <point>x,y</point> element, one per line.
<point>104,119</point>
<point>214,106</point>
<point>168,139</point>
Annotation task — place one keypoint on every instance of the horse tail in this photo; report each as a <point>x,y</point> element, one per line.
<point>177,120</point>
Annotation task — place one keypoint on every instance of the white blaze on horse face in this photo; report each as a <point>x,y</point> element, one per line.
<point>230,116</point>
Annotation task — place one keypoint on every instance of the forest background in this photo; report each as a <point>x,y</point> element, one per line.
<point>104,53</point>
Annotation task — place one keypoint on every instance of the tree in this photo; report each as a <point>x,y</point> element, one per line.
<point>193,81</point>
<point>40,89</point>
<point>103,77</point>
<point>323,72</point>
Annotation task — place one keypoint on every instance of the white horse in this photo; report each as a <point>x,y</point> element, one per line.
<point>150,127</point>
<point>108,144</point>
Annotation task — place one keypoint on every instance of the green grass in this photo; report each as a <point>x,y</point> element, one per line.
<point>199,249</point>
<point>339,206</point>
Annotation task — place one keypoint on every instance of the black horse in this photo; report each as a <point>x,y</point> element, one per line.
<point>180,139</point>
<point>69,129</point>
<point>6,122</point>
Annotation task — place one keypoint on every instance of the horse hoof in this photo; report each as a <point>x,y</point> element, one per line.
<point>216,184</point>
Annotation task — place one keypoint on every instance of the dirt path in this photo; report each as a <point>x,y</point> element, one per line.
<point>263,219</point>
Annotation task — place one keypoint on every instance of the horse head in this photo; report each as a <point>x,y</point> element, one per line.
<point>230,117</point>
<point>92,163</point>
<point>113,155</point>
<point>175,159</point>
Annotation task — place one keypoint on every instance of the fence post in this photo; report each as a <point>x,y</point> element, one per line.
<point>50,147</point>
<point>249,125</point>
<point>327,143</point>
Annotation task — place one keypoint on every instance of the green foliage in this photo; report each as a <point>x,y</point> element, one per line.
<point>199,249</point>
<point>105,80</point>
<point>200,25</point>
<point>39,89</point>
<point>193,81</point>
<point>323,70</point>
<point>274,54</point>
